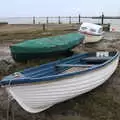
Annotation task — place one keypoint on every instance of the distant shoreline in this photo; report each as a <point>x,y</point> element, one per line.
<point>58,20</point>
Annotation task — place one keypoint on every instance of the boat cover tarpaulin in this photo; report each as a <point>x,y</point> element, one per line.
<point>49,44</point>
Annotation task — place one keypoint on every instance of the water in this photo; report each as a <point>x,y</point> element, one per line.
<point>41,20</point>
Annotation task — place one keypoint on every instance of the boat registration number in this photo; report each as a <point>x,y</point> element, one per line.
<point>102,54</point>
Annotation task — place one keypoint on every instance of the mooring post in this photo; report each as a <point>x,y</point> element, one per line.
<point>59,20</point>
<point>43,27</point>
<point>102,19</point>
<point>33,19</point>
<point>46,20</point>
<point>69,19</point>
<point>79,18</point>
<point>108,26</point>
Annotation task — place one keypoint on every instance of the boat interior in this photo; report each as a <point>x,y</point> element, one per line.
<point>68,65</point>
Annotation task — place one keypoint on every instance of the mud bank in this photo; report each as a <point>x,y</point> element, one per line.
<point>102,103</point>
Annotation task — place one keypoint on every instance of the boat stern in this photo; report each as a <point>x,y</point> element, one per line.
<point>92,38</point>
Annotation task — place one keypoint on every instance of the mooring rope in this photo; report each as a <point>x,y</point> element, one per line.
<point>10,98</point>
<point>8,107</point>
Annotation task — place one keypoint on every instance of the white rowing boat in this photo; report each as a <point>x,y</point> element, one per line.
<point>38,88</point>
<point>93,33</point>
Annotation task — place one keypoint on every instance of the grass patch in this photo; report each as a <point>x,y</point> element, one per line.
<point>25,35</point>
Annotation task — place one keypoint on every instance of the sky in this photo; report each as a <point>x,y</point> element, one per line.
<point>29,8</point>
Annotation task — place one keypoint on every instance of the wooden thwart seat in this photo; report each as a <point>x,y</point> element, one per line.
<point>95,59</point>
<point>74,65</point>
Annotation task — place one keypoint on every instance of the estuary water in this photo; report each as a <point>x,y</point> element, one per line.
<point>41,20</point>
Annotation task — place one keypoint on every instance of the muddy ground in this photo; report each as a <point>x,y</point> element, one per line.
<point>102,103</point>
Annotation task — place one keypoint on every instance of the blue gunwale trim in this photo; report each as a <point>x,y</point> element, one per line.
<point>54,77</point>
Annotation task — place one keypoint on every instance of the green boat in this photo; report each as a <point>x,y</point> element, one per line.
<point>43,47</point>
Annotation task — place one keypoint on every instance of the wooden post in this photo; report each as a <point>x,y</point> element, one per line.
<point>43,27</point>
<point>108,26</point>
<point>79,18</point>
<point>46,20</point>
<point>59,20</point>
<point>69,19</point>
<point>102,19</point>
<point>33,19</point>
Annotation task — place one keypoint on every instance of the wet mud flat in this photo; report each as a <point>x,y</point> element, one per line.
<point>102,103</point>
<point>4,51</point>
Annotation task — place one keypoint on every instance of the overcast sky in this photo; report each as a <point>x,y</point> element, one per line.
<point>28,8</point>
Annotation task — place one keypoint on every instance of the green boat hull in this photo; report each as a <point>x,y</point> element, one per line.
<point>45,47</point>
<point>25,57</point>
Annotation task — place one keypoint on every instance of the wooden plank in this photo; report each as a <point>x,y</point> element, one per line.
<point>96,58</point>
<point>75,65</point>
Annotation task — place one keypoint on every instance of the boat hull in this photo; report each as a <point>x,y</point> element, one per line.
<point>19,57</point>
<point>43,47</point>
<point>92,38</point>
<point>38,97</point>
